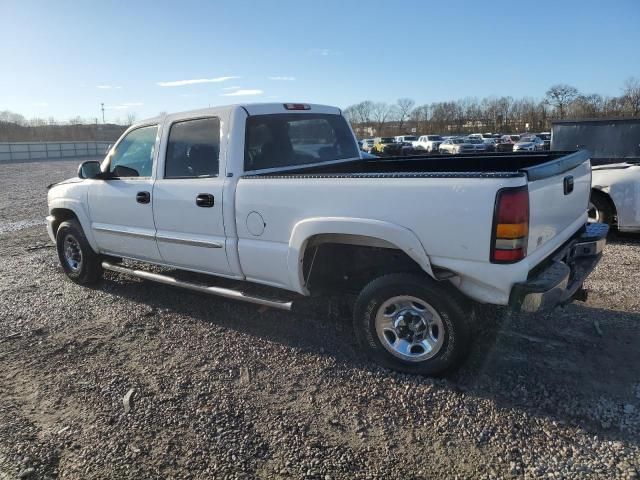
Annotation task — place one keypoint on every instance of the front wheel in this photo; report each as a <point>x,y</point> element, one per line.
<point>78,260</point>
<point>409,323</point>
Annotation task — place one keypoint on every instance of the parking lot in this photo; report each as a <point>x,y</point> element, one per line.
<point>138,380</point>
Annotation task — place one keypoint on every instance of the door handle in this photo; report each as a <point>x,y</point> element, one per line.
<point>143,197</point>
<point>205,200</point>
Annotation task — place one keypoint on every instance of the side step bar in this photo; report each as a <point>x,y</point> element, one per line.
<point>218,291</point>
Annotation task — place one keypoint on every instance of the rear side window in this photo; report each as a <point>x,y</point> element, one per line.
<point>193,149</point>
<point>282,140</point>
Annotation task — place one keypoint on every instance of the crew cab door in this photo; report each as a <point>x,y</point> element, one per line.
<point>120,208</point>
<point>187,196</point>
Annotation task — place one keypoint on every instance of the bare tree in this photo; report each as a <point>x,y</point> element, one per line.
<point>560,96</point>
<point>380,113</point>
<point>404,107</point>
<point>631,96</point>
<point>131,118</point>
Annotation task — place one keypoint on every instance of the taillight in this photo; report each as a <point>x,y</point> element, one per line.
<point>297,106</point>
<point>510,225</point>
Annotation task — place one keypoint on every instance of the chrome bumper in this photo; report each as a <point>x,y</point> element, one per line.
<point>561,278</point>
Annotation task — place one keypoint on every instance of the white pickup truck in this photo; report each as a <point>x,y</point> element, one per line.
<point>278,195</point>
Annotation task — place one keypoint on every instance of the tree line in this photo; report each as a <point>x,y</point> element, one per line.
<point>491,114</point>
<point>16,128</point>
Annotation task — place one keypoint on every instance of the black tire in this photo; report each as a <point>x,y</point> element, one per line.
<point>602,206</point>
<point>452,308</point>
<point>89,267</point>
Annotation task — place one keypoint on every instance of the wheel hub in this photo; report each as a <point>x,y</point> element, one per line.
<point>410,328</point>
<point>72,253</point>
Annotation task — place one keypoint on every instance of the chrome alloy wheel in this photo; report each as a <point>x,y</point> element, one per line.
<point>593,213</point>
<point>72,253</point>
<point>409,328</point>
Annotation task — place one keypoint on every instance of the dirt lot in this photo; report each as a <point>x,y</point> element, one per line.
<point>227,390</point>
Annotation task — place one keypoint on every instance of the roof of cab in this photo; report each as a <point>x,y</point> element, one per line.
<point>251,109</point>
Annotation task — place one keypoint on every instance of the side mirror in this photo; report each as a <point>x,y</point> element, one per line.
<point>89,169</point>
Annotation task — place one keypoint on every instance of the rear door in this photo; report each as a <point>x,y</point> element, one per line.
<point>187,196</point>
<point>558,197</point>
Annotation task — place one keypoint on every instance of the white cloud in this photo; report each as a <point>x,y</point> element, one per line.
<point>243,92</point>
<point>324,52</point>
<point>235,87</point>
<point>289,79</point>
<point>123,106</point>
<point>181,83</point>
<point>40,104</point>
<point>109,87</point>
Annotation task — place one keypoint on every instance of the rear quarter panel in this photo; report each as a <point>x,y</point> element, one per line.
<point>452,216</point>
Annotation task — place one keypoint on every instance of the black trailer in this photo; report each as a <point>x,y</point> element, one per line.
<point>608,140</point>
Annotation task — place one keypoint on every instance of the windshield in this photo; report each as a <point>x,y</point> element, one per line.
<point>290,139</point>
<point>387,140</point>
<point>409,139</point>
<point>434,138</point>
<point>474,140</point>
<point>457,140</point>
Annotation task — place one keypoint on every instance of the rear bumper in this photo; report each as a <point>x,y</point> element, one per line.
<point>562,277</point>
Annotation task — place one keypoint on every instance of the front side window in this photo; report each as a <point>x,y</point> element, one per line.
<point>282,140</point>
<point>193,149</point>
<point>133,156</point>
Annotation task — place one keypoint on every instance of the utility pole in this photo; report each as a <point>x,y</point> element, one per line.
<point>102,107</point>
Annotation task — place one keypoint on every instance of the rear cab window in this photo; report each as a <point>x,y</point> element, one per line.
<point>193,148</point>
<point>287,140</point>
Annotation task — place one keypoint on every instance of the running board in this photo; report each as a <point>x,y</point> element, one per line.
<point>218,291</point>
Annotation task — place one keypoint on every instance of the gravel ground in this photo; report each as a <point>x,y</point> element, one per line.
<point>137,380</point>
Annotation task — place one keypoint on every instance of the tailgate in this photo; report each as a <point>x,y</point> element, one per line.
<point>558,196</point>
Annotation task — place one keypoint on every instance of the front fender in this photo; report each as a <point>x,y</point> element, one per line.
<point>401,237</point>
<point>79,210</point>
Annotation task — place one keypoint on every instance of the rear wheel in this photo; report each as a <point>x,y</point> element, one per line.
<point>600,209</point>
<point>409,323</point>
<point>78,260</point>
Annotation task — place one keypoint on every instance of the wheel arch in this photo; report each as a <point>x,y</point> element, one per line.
<point>604,194</point>
<point>350,231</point>
<point>62,210</point>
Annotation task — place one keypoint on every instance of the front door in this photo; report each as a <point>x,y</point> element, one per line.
<point>187,197</point>
<point>120,208</point>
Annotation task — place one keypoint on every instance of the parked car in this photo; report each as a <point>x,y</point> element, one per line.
<point>407,139</point>
<point>278,195</point>
<point>367,144</point>
<point>454,146</point>
<point>386,146</point>
<point>478,144</point>
<point>546,138</point>
<point>529,143</point>
<point>614,146</point>
<point>506,143</point>
<point>490,144</point>
<point>615,196</point>
<point>429,143</point>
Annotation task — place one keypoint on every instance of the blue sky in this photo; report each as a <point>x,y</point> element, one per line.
<point>63,58</point>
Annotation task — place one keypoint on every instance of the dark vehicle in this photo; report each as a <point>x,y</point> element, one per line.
<point>546,138</point>
<point>608,141</point>
<point>506,143</point>
<point>386,146</point>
